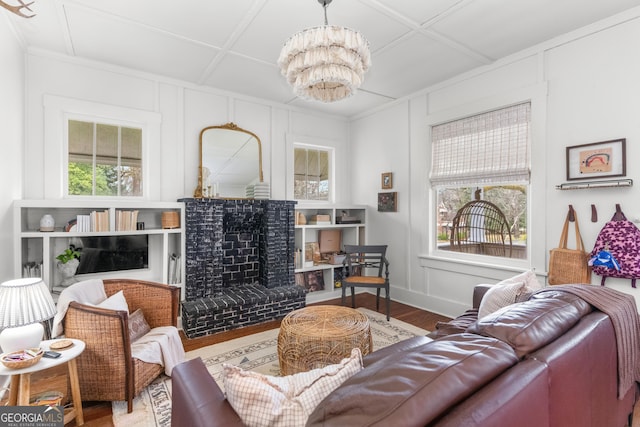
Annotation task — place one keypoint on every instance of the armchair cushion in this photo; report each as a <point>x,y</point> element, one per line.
<point>116,301</point>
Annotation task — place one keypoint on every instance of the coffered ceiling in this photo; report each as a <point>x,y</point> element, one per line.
<point>234,44</point>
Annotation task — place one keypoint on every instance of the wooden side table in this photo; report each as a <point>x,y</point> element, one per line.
<point>316,336</point>
<point>21,378</point>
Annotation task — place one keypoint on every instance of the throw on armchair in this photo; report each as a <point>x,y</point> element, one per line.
<point>106,369</point>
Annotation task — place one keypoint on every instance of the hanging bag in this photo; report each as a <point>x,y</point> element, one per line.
<point>616,252</point>
<point>569,265</point>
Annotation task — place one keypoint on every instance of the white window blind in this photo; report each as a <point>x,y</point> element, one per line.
<point>491,147</point>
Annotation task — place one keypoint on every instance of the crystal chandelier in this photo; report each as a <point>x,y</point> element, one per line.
<point>325,63</point>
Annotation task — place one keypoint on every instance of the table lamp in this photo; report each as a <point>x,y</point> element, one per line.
<point>24,304</point>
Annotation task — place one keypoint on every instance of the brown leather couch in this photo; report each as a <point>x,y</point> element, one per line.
<point>548,361</point>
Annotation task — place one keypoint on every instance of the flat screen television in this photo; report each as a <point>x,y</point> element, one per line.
<point>330,241</point>
<point>113,253</point>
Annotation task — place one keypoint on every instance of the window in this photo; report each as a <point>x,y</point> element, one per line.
<point>104,159</point>
<point>480,174</point>
<point>312,173</point>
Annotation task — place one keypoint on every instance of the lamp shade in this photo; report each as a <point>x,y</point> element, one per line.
<point>25,301</point>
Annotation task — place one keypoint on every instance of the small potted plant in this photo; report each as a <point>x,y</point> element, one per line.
<point>68,262</point>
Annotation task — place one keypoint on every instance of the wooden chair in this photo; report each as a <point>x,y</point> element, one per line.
<point>106,369</point>
<point>363,259</point>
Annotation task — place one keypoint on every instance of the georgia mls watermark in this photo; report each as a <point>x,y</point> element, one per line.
<point>31,416</point>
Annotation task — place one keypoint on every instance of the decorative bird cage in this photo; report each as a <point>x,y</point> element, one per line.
<point>480,227</point>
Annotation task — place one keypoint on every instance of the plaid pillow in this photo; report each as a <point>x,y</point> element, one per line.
<point>263,400</point>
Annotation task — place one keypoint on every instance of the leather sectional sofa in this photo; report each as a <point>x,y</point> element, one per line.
<point>549,361</point>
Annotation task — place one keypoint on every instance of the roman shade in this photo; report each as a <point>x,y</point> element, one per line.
<point>488,148</point>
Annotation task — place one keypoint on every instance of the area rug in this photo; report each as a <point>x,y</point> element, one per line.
<point>257,352</point>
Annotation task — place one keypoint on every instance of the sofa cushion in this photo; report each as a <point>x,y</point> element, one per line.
<point>263,400</point>
<point>455,326</point>
<point>414,388</point>
<point>529,325</point>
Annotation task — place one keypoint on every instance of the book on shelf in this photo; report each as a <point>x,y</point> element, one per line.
<point>94,221</point>
<point>174,269</point>
<point>99,220</point>
<point>126,220</point>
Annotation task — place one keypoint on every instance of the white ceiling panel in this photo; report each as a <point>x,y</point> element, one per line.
<point>233,45</point>
<point>196,20</point>
<point>420,11</point>
<point>100,37</point>
<point>242,75</point>
<point>423,63</point>
<point>482,25</point>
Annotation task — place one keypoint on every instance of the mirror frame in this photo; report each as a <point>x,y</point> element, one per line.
<point>228,126</point>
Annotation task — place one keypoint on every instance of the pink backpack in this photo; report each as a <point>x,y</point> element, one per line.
<point>620,239</point>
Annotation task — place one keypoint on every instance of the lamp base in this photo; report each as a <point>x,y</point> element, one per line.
<point>21,337</point>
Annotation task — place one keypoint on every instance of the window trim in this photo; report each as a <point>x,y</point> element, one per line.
<point>58,110</point>
<point>536,251</point>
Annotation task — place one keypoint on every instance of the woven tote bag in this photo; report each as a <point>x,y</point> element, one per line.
<point>569,265</point>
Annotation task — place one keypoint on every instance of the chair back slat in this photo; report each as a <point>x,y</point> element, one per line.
<point>365,256</point>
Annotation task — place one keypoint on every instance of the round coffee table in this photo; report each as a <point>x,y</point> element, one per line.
<point>313,337</point>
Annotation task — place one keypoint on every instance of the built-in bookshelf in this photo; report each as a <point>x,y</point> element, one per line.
<point>131,233</point>
<point>321,273</point>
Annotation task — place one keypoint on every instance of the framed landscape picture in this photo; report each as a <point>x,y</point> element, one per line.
<point>597,160</point>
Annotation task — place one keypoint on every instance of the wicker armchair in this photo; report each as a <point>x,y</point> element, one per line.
<point>106,369</point>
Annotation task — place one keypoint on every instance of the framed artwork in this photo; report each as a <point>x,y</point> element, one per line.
<point>387,181</point>
<point>597,160</point>
<point>388,202</point>
<point>314,280</point>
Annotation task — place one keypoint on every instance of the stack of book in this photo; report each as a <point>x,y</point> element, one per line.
<point>126,220</point>
<point>95,221</point>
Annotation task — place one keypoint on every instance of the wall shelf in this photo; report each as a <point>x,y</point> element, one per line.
<point>595,184</point>
<point>351,234</point>
<point>37,249</point>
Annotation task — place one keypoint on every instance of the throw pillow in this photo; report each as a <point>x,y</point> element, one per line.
<point>506,292</point>
<point>116,301</point>
<point>138,325</point>
<point>498,297</point>
<point>263,400</point>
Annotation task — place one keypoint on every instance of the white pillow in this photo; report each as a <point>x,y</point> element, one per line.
<point>528,277</point>
<point>116,301</point>
<point>264,400</point>
<point>504,293</point>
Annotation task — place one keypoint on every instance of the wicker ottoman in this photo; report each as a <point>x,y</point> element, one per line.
<point>313,337</point>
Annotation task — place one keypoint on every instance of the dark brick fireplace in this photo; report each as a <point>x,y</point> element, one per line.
<point>239,264</point>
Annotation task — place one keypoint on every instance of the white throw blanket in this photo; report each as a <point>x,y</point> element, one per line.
<point>161,345</point>
<point>85,292</point>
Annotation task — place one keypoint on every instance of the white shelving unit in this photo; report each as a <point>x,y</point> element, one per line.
<point>34,246</point>
<point>352,234</point>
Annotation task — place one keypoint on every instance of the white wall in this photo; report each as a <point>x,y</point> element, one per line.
<point>12,71</point>
<point>586,85</point>
<point>184,109</point>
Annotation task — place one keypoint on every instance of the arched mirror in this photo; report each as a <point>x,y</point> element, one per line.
<point>230,159</point>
